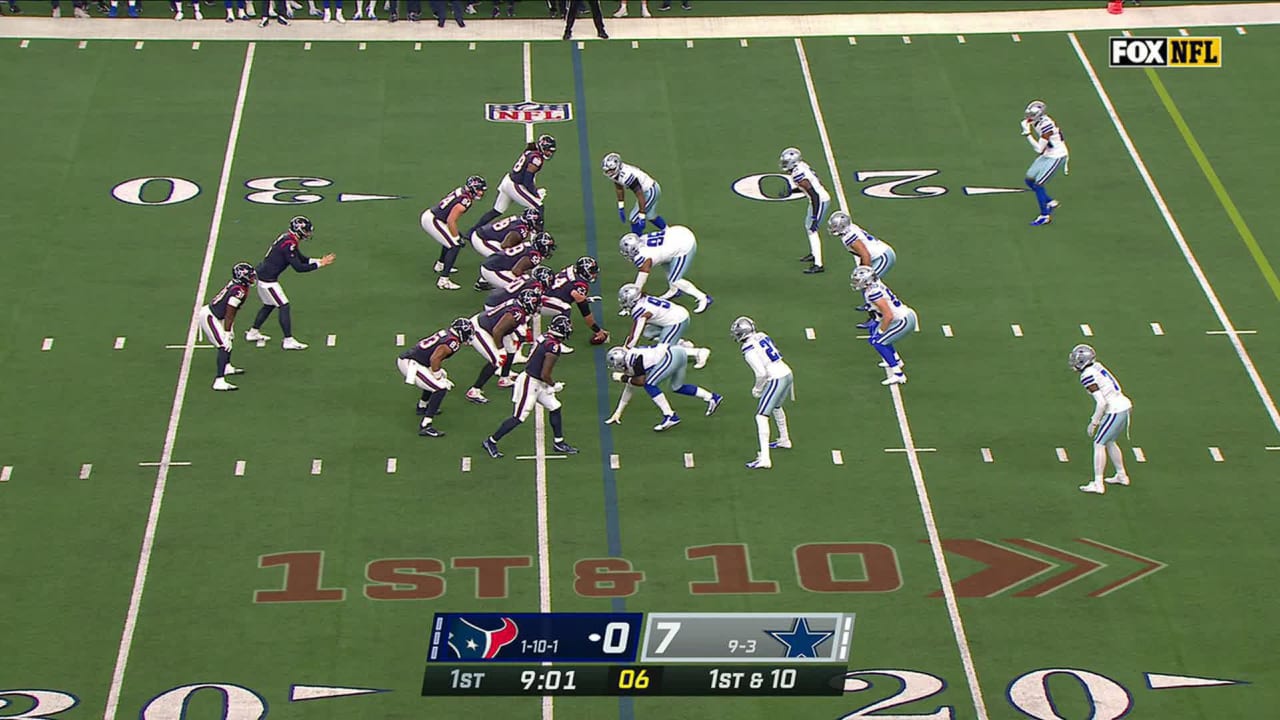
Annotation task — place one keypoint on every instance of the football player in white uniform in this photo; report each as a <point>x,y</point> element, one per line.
<point>660,320</point>
<point>648,367</point>
<point>866,249</point>
<point>1045,137</point>
<point>648,193</point>
<point>803,177</point>
<point>897,321</point>
<point>773,385</point>
<point>674,247</point>
<point>1110,417</point>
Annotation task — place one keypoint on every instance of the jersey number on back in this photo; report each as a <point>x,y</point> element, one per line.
<point>766,344</point>
<point>655,239</point>
<point>1114,384</point>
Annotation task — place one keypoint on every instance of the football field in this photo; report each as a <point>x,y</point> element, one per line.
<point>168,552</point>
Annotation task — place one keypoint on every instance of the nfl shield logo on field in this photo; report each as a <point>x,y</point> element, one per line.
<point>528,112</point>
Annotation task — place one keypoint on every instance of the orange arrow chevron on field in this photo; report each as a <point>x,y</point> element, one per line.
<point>1149,566</point>
<point>1005,568</point>
<point>1080,567</point>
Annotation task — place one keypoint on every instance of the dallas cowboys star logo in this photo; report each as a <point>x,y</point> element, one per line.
<point>800,641</point>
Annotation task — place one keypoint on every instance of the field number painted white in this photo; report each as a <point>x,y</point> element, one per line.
<point>179,190</point>
<point>275,190</point>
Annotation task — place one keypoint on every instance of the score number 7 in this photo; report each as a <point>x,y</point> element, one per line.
<point>670,628</point>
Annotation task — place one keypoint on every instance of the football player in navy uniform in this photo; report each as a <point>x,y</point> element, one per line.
<point>423,366</point>
<point>495,336</point>
<point>518,185</point>
<point>441,222</point>
<point>572,286</point>
<point>536,386</point>
<point>502,269</point>
<point>283,254</point>
<point>539,278</point>
<point>217,317</point>
<point>502,234</point>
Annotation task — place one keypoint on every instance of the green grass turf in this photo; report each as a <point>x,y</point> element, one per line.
<point>372,126</point>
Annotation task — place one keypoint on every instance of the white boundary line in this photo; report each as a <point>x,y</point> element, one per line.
<point>1228,327</point>
<point>922,494</point>
<point>179,395</point>
<point>540,436</point>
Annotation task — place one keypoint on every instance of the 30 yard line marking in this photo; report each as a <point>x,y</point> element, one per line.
<point>1138,454</point>
<point>986,455</point>
<point>1157,329</point>
<point>1176,231</point>
<point>85,470</point>
<point>179,395</point>
<point>391,465</point>
<point>46,345</point>
<point>1085,330</point>
<point>837,457</point>
<point>946,331</point>
<point>1216,454</point>
<point>913,460</point>
<point>809,334</point>
<point>688,460</point>
<point>1017,330</point>
<point>5,472</point>
<point>1062,455</point>
<point>239,471</point>
<point>119,343</point>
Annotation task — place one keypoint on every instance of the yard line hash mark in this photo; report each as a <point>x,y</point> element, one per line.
<point>24,44</point>
<point>172,463</point>
<point>688,460</point>
<point>1017,330</point>
<point>946,331</point>
<point>472,46</point>
<point>1157,329</point>
<point>853,40</point>
<point>1231,332</point>
<point>1017,37</point>
<point>809,334</point>
<point>239,471</point>
<point>138,45</point>
<point>1212,296</point>
<point>1139,455</point>
<point>1062,455</point>
<point>743,42</point>
<point>5,473</point>
<point>1216,454</point>
<point>837,457</point>
<point>195,45</point>
<point>466,464</point>
<point>688,43</point>
<point>317,466</point>
<point>391,465</point>
<point>400,340</point>
<point>47,345</point>
<point>119,343</point>
<point>85,470</point>
<point>417,46</point>
<point>906,39</point>
<point>960,39</point>
<point>306,46</point>
<point>1183,32</point>
<point>904,427</point>
<point>364,46</point>
<point>1085,330</point>
<point>83,44</point>
<point>635,44</point>
<point>986,455</point>
<point>1241,31</point>
<point>331,340</point>
<point>179,396</point>
<point>615,462</point>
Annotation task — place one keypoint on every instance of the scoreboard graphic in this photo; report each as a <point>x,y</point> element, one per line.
<point>638,654</point>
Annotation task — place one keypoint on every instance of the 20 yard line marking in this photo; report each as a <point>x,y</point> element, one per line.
<point>179,395</point>
<point>1176,231</point>
<point>917,474</point>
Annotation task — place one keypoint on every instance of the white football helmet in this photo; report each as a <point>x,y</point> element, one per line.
<point>862,277</point>
<point>742,327</point>
<point>789,159</point>
<point>629,245</point>
<point>616,359</point>
<point>611,165</point>
<point>1035,110</point>
<point>1081,357</point>
<point>629,295</point>
<point>839,223</point>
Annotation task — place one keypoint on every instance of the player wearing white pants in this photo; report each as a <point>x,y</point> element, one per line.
<point>773,386</point>
<point>1110,417</point>
<point>535,386</point>
<point>896,321</point>
<point>804,179</point>
<point>484,343</point>
<point>215,320</point>
<point>660,320</point>
<point>675,247</point>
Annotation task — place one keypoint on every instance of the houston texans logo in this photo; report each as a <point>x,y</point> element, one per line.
<point>469,642</point>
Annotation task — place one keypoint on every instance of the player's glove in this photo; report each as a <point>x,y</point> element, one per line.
<point>618,377</point>
<point>593,298</point>
<point>637,227</point>
<point>757,391</point>
<point>614,419</point>
<point>1026,128</point>
<point>542,193</point>
<point>557,387</point>
<point>447,384</point>
<point>623,313</point>
<point>1093,427</point>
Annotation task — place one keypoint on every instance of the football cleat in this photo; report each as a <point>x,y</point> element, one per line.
<point>221,384</point>
<point>898,378</point>
<point>491,446</point>
<point>701,357</point>
<point>868,324</point>
<point>255,335</point>
<point>1053,205</point>
<point>445,283</point>
<point>291,344</point>
<point>703,304</point>
<point>233,370</point>
<point>668,421</point>
<point>1095,488</point>
<point>714,403</point>
<point>807,258</point>
<point>476,395</point>
<point>1117,480</point>
<point>1041,220</point>
<point>780,445</point>
<point>430,430</point>
<point>506,381</point>
<point>759,464</point>
<point>814,270</point>
<point>561,446</point>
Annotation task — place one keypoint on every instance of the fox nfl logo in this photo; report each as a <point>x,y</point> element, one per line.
<point>1166,52</point>
<point>528,112</point>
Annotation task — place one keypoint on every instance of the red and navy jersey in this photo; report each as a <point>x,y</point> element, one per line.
<point>527,165</point>
<point>489,318</point>
<point>426,347</point>
<point>508,293</point>
<point>232,295</point>
<point>509,258</point>
<point>546,345</point>
<point>496,231</point>
<point>567,282</point>
<point>458,196</point>
<point>283,253</point>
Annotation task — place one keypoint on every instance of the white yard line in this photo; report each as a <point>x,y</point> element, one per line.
<point>179,394</point>
<point>922,494</point>
<point>1209,293</point>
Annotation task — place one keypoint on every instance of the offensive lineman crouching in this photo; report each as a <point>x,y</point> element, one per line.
<point>536,386</point>
<point>422,366</point>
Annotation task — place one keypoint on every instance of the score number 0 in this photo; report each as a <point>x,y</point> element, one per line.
<point>615,638</point>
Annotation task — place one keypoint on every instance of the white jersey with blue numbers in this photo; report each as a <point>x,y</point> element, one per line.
<point>663,246</point>
<point>764,358</point>
<point>875,246</point>
<point>662,312</point>
<point>877,291</point>
<point>650,356</point>
<point>1113,397</point>
<point>633,178</point>
<point>1045,127</point>
<point>802,171</point>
